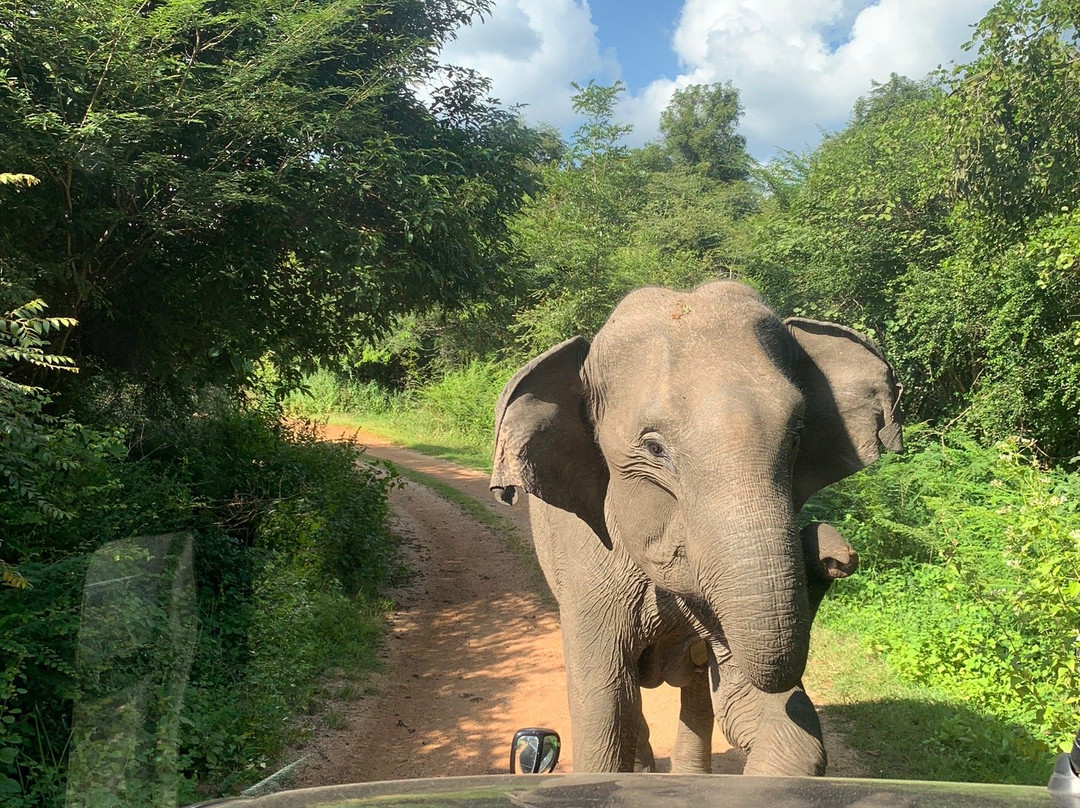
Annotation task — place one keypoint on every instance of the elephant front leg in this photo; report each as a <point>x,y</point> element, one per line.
<point>604,698</point>
<point>788,736</point>
<point>692,753</point>
<point>779,732</point>
<point>644,760</point>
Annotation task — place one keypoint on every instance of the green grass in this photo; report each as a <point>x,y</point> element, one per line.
<point>451,418</point>
<point>419,433</point>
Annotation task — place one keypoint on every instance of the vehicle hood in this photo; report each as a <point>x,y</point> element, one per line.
<point>649,790</point>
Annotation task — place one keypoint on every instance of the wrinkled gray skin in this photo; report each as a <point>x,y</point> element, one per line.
<point>666,463</point>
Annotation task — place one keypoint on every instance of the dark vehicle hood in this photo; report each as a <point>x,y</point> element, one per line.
<point>649,790</point>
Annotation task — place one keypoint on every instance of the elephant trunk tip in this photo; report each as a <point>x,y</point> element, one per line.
<point>775,678</point>
<point>775,666</point>
<point>507,494</point>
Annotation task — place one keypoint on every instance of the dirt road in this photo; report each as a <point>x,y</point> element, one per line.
<point>473,651</point>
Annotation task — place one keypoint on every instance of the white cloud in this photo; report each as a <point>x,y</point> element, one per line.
<point>799,64</point>
<point>532,50</point>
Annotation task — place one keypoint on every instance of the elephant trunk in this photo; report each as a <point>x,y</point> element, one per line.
<point>752,579</point>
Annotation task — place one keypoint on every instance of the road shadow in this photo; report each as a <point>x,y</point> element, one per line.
<point>915,740</point>
<point>730,761</point>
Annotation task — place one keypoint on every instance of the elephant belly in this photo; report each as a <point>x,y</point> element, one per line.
<point>675,659</point>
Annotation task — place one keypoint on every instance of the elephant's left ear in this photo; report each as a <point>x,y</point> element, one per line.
<point>544,438</point>
<point>852,399</point>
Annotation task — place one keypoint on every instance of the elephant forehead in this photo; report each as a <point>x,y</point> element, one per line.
<point>662,321</point>
<point>665,352</point>
<point>697,352</point>
<point>690,396</point>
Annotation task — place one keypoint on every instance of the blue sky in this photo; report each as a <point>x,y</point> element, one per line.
<point>799,64</point>
<point>640,35</point>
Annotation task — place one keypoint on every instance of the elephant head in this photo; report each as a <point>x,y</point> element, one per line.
<point>690,433</point>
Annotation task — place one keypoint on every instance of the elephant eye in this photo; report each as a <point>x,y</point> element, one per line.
<point>654,447</point>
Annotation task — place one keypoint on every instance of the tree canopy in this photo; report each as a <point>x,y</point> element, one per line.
<point>223,180</point>
<point>698,130</point>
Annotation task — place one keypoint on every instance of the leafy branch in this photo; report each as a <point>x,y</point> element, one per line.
<point>23,334</point>
<point>27,433</point>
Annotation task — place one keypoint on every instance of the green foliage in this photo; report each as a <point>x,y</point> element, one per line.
<point>1014,116</point>
<point>290,549</point>
<point>942,224</point>
<point>423,346</point>
<point>698,131</point>
<point>23,334</point>
<point>220,181</point>
<point>450,416</point>
<point>857,213</point>
<point>24,180</point>
<point>325,392</point>
<point>609,220</point>
<point>971,571</point>
<point>28,443</point>
<point>466,399</point>
<point>598,137</point>
<point>902,729</point>
<point>997,337</point>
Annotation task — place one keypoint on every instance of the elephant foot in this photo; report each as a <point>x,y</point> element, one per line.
<point>644,761</point>
<point>779,732</point>
<point>692,752</point>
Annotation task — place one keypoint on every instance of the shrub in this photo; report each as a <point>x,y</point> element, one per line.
<point>463,401</point>
<point>290,549</point>
<point>971,578</point>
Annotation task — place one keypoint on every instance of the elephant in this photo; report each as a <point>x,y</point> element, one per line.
<point>665,465</point>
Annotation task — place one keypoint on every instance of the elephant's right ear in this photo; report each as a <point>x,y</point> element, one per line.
<point>852,399</point>
<point>544,438</point>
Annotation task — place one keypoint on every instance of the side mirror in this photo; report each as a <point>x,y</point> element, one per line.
<point>535,750</point>
<point>1064,785</point>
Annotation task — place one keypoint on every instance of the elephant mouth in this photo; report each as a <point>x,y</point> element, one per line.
<point>767,668</point>
<point>703,620</point>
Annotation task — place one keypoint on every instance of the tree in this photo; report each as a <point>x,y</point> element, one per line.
<point>223,180</point>
<point>943,221</point>
<point>1014,116</point>
<point>566,234</point>
<point>860,223</point>
<point>698,128</point>
<point>611,219</point>
<point>599,135</point>
<point>859,210</point>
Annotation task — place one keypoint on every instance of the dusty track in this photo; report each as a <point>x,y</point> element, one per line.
<point>474,652</point>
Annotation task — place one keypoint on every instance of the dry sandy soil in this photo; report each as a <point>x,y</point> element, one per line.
<point>473,651</point>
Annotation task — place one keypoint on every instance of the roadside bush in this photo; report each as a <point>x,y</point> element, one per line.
<point>291,549</point>
<point>463,401</point>
<point>38,630</point>
<point>450,417</point>
<point>324,392</point>
<point>971,578</point>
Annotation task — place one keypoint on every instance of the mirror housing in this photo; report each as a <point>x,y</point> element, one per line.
<point>1064,785</point>
<point>534,750</point>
